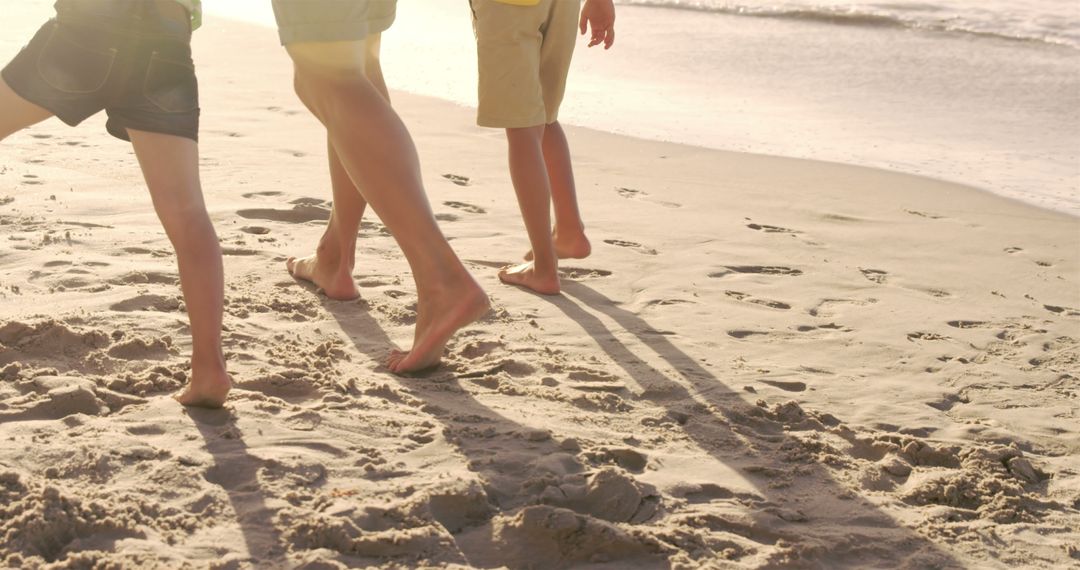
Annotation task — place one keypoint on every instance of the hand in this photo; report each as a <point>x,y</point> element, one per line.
<point>600,16</point>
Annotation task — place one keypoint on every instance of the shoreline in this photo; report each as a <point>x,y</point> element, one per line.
<point>799,99</point>
<point>766,361</point>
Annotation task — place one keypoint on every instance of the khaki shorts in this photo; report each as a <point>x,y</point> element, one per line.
<point>523,55</point>
<point>332,20</point>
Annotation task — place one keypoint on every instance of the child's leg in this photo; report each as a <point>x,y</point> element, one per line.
<point>170,165</point>
<point>569,232</point>
<point>533,188</point>
<point>17,113</point>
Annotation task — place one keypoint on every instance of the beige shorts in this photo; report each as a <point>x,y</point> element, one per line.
<point>523,55</point>
<point>332,20</point>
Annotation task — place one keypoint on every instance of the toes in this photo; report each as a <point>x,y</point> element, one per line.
<point>394,362</point>
<point>290,264</point>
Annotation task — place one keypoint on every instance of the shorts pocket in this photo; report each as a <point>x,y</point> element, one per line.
<point>171,85</point>
<point>70,67</point>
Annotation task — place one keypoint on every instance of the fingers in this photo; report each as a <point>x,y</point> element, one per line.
<point>583,23</point>
<point>602,35</point>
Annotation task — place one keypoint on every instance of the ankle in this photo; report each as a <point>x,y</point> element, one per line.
<point>332,256</point>
<point>569,231</point>
<point>208,360</point>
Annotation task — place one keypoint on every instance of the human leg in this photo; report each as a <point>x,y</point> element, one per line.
<point>569,232</point>
<point>331,266</point>
<point>377,152</point>
<point>17,113</point>
<point>533,188</point>
<point>170,165</point>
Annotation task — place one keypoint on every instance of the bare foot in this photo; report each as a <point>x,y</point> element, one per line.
<point>437,321</point>
<point>206,390</point>
<point>525,275</point>
<point>334,279</point>
<point>575,246</point>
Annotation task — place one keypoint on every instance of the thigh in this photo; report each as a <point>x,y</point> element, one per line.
<point>347,57</point>
<point>302,21</point>
<point>17,113</point>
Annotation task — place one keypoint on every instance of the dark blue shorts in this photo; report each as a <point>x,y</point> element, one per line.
<point>132,60</point>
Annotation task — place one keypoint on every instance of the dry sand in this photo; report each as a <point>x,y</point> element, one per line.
<point>766,363</point>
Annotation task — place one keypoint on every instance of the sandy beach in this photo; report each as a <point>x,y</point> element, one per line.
<point>766,362</point>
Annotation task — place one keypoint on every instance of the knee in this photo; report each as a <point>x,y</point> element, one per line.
<point>525,136</point>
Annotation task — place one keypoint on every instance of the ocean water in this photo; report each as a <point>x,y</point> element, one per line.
<point>1051,21</point>
<point>982,93</point>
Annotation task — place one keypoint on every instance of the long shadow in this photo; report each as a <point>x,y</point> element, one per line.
<point>841,532</point>
<point>236,471</point>
<point>451,404</point>
<point>499,450</point>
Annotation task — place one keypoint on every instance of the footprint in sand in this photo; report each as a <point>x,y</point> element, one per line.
<point>757,269</point>
<point>255,230</point>
<point>5,200</point>
<point>632,194</point>
<point>299,214</point>
<point>268,193</point>
<point>926,336</point>
<point>378,281</point>
<point>581,273</point>
<point>288,112</point>
<point>772,229</point>
<point>447,217</point>
<point>31,180</point>
<point>90,225</point>
<point>632,245</point>
<point>146,277</point>
<point>876,275</point>
<point>1062,310</point>
<point>374,227</point>
<point>146,251</point>
<point>966,324</point>
<point>824,308</point>
<point>830,326</point>
<point>1044,264</point>
<point>1013,249</point>
<point>457,179</point>
<point>480,349</point>
<point>667,302</point>
<point>305,201</point>
<point>927,215</point>
<point>702,493</point>
<point>465,207</point>
<point>159,303</point>
<point>757,301</point>
<point>41,136</point>
<point>786,386</point>
<point>741,333</point>
<point>841,218</point>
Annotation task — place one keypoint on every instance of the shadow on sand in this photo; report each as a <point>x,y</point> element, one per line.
<point>801,511</point>
<point>236,471</point>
